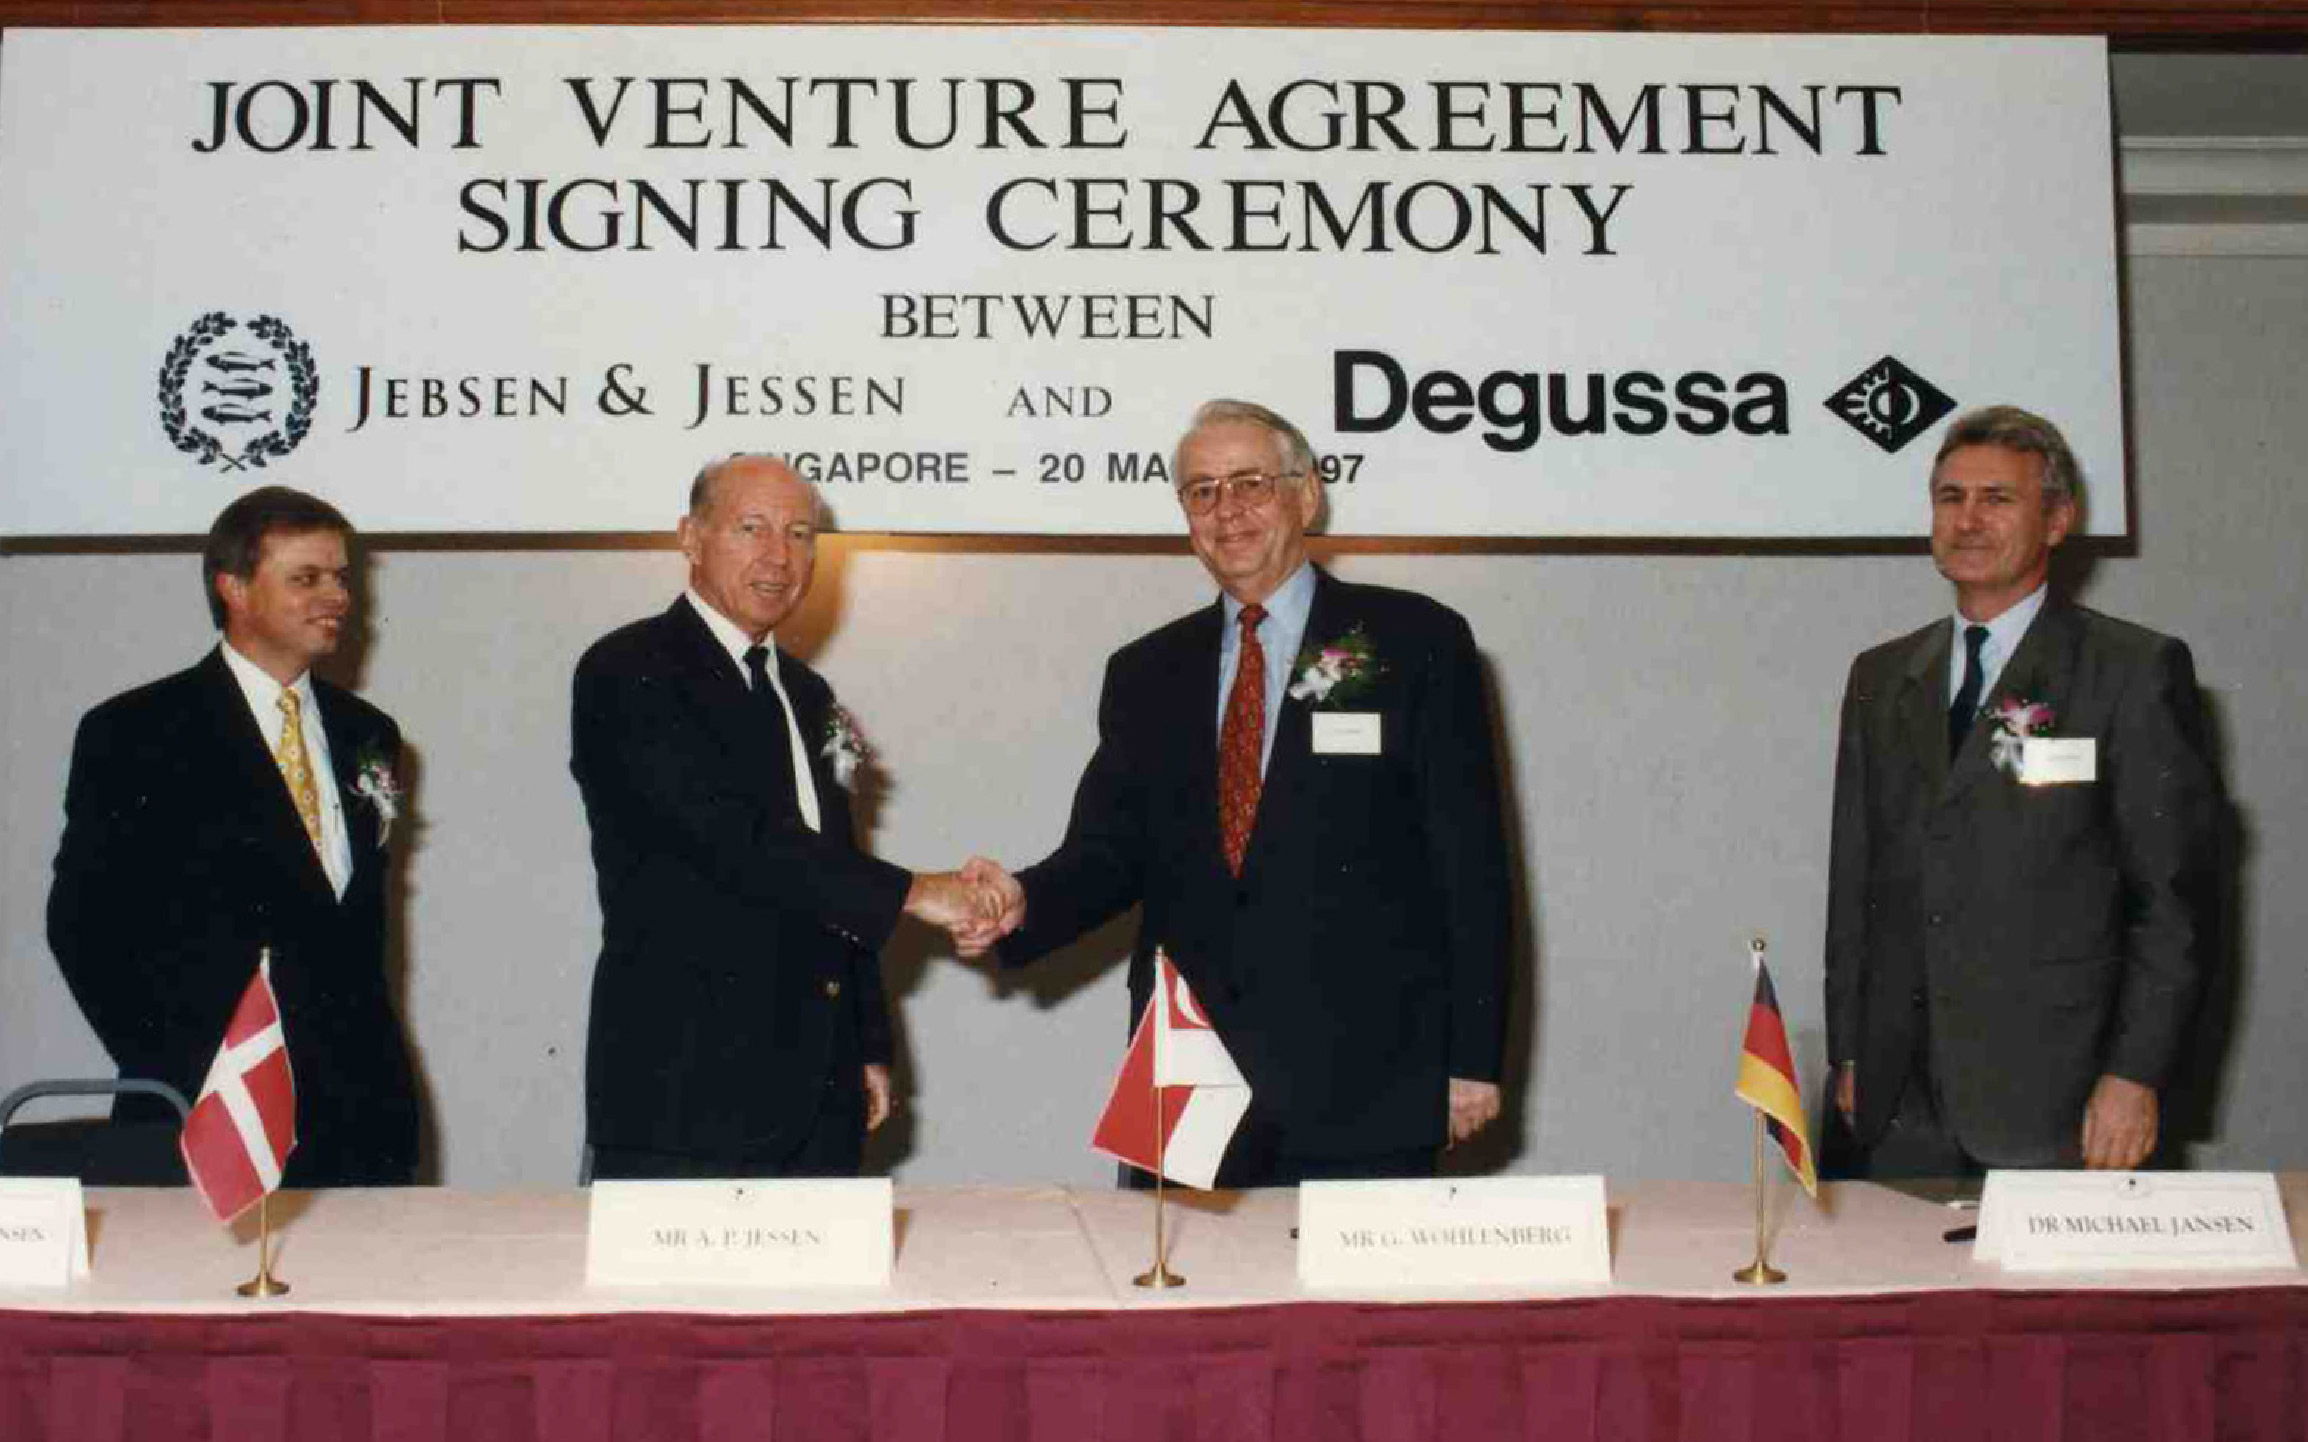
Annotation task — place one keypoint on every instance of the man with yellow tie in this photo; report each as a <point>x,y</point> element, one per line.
<point>239,806</point>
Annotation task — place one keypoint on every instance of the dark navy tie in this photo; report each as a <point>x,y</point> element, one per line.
<point>1966,707</point>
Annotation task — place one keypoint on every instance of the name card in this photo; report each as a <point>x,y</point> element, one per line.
<point>2124,1221</point>
<point>43,1232</point>
<point>815,1232</point>
<point>1487,1232</point>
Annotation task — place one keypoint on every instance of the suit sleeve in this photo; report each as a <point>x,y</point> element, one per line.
<point>140,987</point>
<point>2166,807</point>
<point>638,755</point>
<point>1098,870</point>
<point>1459,795</point>
<point>1847,869</point>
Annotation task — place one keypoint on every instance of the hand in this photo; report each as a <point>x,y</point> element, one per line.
<point>2119,1124</point>
<point>1474,1105</point>
<point>1847,1093</point>
<point>880,1101</point>
<point>1001,900</point>
<point>946,901</point>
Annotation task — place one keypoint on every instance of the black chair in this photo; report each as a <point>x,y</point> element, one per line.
<point>98,1150</point>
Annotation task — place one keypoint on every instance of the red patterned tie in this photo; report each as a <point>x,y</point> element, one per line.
<point>1241,742</point>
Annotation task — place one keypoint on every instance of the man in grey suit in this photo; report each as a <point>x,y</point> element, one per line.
<point>2022,868</point>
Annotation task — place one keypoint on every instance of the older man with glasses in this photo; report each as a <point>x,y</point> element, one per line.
<point>1298,783</point>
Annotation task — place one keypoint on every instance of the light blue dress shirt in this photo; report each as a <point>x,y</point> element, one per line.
<point>2004,634</point>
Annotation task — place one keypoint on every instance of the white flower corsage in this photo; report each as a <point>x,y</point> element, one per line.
<point>2015,721</point>
<point>1335,673</point>
<point>374,782</point>
<point>845,748</point>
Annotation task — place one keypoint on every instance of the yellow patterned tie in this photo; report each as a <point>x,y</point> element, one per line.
<point>296,768</point>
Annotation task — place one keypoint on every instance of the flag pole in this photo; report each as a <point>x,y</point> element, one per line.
<point>1760,1272</point>
<point>264,1283</point>
<point>1158,1275</point>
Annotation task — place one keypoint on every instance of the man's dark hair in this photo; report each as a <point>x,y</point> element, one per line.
<point>236,539</point>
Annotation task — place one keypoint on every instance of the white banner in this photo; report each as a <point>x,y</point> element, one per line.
<point>975,279</point>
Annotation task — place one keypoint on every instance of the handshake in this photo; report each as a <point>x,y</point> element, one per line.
<point>978,905</point>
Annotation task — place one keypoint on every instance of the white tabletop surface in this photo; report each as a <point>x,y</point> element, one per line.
<point>456,1253</point>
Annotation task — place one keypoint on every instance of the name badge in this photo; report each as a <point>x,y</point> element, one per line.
<point>2058,760</point>
<point>2122,1221</point>
<point>1346,733</point>
<point>43,1232</point>
<point>1468,1232</point>
<point>813,1232</point>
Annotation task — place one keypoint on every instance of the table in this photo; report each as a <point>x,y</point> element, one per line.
<point>430,1314</point>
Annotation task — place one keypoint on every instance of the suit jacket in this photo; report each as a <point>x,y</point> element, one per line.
<point>183,857</point>
<point>2049,933</point>
<point>739,984</point>
<point>1360,960</point>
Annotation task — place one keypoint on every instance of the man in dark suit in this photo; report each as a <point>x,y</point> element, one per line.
<point>241,806</point>
<point>1298,783</point>
<point>739,1025</point>
<point>2022,866</point>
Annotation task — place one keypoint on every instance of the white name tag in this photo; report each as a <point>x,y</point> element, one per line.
<point>1346,733</point>
<point>816,1232</point>
<point>2119,1221</point>
<point>2058,760</point>
<point>1488,1232</point>
<point>43,1232</point>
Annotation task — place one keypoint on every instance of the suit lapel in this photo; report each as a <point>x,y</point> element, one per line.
<point>362,824</point>
<point>256,780</point>
<point>1290,764</point>
<point>1193,690</point>
<point>812,711</point>
<point>718,691</point>
<point>2038,672</point>
<point>1923,703</point>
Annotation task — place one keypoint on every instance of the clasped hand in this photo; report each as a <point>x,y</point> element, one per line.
<point>977,905</point>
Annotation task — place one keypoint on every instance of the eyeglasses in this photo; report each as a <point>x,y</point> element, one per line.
<point>1250,489</point>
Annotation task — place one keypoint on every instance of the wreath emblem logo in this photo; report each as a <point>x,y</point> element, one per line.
<point>237,394</point>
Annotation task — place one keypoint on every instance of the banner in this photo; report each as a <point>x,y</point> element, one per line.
<point>975,279</point>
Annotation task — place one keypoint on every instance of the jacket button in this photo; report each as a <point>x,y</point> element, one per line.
<point>1938,918</point>
<point>832,990</point>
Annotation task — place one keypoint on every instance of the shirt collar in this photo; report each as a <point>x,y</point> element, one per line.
<point>258,685</point>
<point>724,630</point>
<point>1287,607</point>
<point>2005,631</point>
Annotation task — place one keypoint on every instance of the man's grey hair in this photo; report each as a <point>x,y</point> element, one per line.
<point>2023,431</point>
<point>701,485</point>
<point>1297,455</point>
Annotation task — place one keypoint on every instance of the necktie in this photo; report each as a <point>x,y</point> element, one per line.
<point>1966,708</point>
<point>296,767</point>
<point>1242,743</point>
<point>772,714</point>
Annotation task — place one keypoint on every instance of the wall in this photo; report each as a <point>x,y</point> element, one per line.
<point>1668,723</point>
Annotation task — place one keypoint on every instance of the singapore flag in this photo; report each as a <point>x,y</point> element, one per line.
<point>1179,1096</point>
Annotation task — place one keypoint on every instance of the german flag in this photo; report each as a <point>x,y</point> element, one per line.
<point>1767,1080</point>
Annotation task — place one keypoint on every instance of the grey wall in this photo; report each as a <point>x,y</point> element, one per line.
<point>1668,722</point>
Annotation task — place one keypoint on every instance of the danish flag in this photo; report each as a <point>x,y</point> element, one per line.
<point>1179,1096</point>
<point>244,1126</point>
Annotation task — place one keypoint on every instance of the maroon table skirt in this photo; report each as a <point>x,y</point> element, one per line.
<point>1920,1367</point>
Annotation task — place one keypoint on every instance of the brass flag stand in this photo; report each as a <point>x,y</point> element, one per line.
<point>264,1283</point>
<point>1760,1272</point>
<point>1159,1275</point>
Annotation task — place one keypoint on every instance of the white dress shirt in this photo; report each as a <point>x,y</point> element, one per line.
<point>2004,635</point>
<point>263,694</point>
<point>737,643</point>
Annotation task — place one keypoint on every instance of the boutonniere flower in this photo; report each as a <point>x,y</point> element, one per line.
<point>374,782</point>
<point>845,748</point>
<point>1337,671</point>
<point>2015,721</point>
